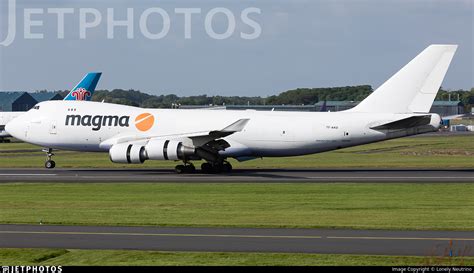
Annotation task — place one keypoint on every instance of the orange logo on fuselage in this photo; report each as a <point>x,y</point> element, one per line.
<point>144,122</point>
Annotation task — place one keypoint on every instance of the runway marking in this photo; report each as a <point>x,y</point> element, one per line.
<point>162,234</point>
<point>163,177</point>
<point>392,177</point>
<point>258,178</point>
<point>401,238</point>
<point>234,236</point>
<point>28,174</point>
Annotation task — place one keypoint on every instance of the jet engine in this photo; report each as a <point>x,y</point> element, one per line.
<point>128,153</point>
<point>168,150</point>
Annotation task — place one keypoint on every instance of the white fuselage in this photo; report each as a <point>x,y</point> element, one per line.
<point>267,134</point>
<point>6,117</point>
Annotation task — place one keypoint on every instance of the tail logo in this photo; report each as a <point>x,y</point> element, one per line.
<point>81,94</point>
<point>144,122</point>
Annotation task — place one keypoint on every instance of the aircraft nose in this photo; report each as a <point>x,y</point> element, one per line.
<point>15,129</point>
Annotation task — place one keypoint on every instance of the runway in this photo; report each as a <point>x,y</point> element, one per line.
<point>239,176</point>
<point>420,243</point>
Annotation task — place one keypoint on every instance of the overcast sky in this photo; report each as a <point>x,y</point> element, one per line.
<point>302,44</point>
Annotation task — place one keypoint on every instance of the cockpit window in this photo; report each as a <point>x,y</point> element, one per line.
<point>36,107</point>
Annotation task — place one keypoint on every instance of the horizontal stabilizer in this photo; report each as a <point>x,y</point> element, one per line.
<point>453,117</point>
<point>405,123</point>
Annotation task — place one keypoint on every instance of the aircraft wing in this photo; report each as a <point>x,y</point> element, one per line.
<point>235,127</point>
<point>198,145</point>
<point>197,139</point>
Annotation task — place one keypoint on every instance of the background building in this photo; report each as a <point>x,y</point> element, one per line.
<point>45,96</point>
<point>447,108</point>
<point>23,101</point>
<point>335,106</point>
<point>16,101</point>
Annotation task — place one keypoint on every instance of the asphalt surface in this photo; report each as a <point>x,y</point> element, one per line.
<point>247,176</point>
<point>425,243</point>
<point>420,243</point>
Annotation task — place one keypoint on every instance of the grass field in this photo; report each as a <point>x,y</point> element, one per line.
<point>357,206</point>
<point>117,257</point>
<point>436,151</point>
<point>447,206</point>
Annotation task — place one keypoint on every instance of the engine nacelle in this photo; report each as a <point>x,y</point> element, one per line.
<point>126,153</point>
<point>168,150</point>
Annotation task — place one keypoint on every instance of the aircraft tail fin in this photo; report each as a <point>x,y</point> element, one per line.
<point>413,88</point>
<point>85,88</point>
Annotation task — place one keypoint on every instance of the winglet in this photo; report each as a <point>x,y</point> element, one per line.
<point>237,126</point>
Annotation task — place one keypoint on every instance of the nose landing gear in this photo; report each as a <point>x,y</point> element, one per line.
<point>49,164</point>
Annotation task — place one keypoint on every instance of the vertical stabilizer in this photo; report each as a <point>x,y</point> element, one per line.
<point>413,88</point>
<point>85,88</point>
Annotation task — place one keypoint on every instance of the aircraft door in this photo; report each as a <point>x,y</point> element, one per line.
<point>53,130</point>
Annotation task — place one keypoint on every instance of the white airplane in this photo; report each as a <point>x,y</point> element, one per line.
<point>83,91</point>
<point>133,135</point>
<point>6,117</point>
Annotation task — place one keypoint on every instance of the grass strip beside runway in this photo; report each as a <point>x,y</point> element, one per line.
<point>434,151</point>
<point>143,258</point>
<point>352,206</point>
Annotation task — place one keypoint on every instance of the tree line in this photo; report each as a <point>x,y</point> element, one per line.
<point>300,96</point>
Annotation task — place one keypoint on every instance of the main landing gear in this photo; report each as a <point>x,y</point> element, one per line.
<point>186,168</point>
<point>209,168</point>
<point>49,164</point>
<point>224,167</point>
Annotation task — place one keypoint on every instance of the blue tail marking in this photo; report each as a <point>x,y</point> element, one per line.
<point>85,89</point>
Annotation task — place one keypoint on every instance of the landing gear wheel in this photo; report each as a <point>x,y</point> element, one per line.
<point>226,167</point>
<point>185,169</point>
<point>210,168</point>
<point>50,164</point>
<point>190,168</point>
<point>217,168</point>
<point>207,168</point>
<point>179,169</point>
